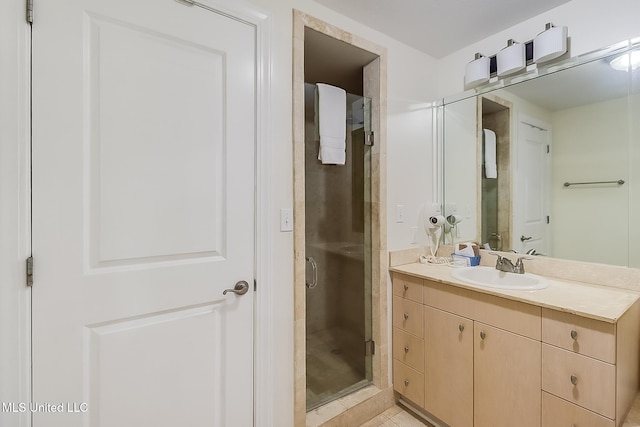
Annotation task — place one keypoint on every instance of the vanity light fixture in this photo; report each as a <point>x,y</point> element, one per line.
<point>627,61</point>
<point>511,59</point>
<point>550,44</point>
<point>477,71</point>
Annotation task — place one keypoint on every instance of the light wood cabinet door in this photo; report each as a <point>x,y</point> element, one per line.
<point>506,378</point>
<point>449,367</point>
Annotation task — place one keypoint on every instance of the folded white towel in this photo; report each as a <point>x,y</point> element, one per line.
<point>490,166</point>
<point>332,123</point>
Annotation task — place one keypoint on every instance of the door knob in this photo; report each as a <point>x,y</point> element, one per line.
<point>524,238</point>
<point>240,288</point>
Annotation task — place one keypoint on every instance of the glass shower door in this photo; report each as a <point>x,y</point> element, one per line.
<point>338,251</point>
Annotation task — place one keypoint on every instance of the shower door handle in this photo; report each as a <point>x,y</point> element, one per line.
<point>314,268</point>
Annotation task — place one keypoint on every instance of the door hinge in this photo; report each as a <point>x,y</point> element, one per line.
<point>368,139</point>
<point>30,11</point>
<point>548,149</point>
<point>255,285</point>
<point>369,348</point>
<point>548,219</point>
<point>29,271</point>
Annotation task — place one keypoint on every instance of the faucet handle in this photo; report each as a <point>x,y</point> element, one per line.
<point>500,261</point>
<point>519,267</point>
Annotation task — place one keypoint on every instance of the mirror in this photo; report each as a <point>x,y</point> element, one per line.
<point>548,162</point>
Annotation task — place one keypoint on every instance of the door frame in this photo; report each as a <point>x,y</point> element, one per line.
<point>375,88</point>
<point>18,200</point>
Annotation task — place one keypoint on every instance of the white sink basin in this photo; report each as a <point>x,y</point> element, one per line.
<point>489,277</point>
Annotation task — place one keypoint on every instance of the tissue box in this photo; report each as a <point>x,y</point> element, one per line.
<point>471,260</point>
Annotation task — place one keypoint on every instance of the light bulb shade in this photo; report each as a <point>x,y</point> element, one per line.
<point>476,72</point>
<point>511,59</point>
<point>550,44</point>
<point>626,62</point>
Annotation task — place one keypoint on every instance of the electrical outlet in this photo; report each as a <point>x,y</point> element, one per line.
<point>414,234</point>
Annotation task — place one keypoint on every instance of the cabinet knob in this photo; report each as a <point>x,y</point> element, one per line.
<point>406,316</point>
<point>406,383</point>
<point>574,380</point>
<point>461,327</point>
<point>406,349</point>
<point>483,335</point>
<point>574,334</point>
<point>406,287</point>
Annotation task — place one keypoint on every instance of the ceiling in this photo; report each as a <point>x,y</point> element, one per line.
<point>440,27</point>
<point>586,84</point>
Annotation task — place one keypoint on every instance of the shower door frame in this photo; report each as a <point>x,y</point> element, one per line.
<point>375,88</point>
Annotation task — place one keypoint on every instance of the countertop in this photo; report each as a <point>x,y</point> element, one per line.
<point>603,303</point>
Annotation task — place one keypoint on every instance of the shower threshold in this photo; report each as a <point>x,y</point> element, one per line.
<point>347,391</point>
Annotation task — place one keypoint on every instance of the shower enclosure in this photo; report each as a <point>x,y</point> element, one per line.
<point>338,253</point>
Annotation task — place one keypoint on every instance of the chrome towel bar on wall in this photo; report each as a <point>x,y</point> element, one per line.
<point>619,182</point>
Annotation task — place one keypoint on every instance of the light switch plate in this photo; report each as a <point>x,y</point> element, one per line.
<point>286,219</point>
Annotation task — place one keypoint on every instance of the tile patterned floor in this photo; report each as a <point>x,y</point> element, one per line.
<point>396,417</point>
<point>331,368</point>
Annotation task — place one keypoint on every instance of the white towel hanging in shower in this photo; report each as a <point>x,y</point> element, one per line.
<point>490,166</point>
<point>332,123</point>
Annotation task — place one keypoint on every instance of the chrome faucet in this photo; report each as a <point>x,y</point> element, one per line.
<point>505,264</point>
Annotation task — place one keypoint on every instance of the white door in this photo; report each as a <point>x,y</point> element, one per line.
<point>143,214</point>
<point>532,188</point>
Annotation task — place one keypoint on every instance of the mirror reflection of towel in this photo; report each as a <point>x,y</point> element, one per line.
<point>490,166</point>
<point>332,123</point>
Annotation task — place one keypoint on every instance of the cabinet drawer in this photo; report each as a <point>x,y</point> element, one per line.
<point>408,382</point>
<point>557,412</point>
<point>407,287</point>
<point>579,334</point>
<point>408,316</point>
<point>595,381</point>
<point>513,316</point>
<point>408,349</point>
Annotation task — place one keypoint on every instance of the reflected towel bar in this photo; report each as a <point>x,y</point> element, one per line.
<point>619,182</point>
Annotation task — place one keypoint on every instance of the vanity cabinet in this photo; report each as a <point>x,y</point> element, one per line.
<point>489,355</point>
<point>470,359</point>
<point>589,368</point>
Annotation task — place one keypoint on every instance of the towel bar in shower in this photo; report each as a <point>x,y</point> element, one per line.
<point>619,182</point>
